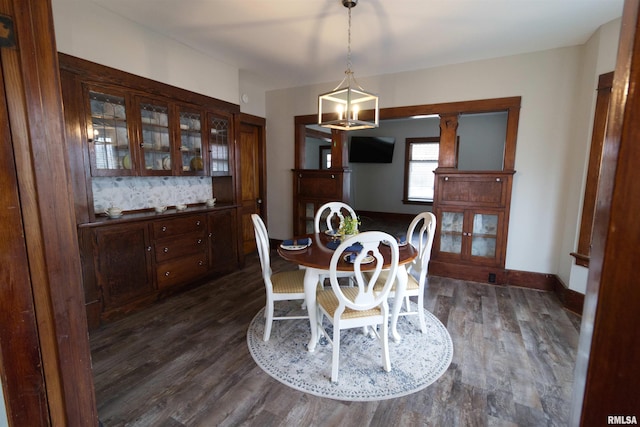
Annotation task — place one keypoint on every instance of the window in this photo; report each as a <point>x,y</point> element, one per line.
<point>421,159</point>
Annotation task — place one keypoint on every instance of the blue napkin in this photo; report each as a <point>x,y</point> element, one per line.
<point>333,245</point>
<point>294,242</point>
<point>356,247</point>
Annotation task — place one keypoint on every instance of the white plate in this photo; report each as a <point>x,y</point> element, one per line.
<point>294,247</point>
<point>367,259</point>
<point>384,242</point>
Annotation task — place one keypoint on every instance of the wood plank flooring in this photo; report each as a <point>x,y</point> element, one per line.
<point>185,362</point>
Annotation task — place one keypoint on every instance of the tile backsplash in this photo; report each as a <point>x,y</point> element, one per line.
<point>133,193</point>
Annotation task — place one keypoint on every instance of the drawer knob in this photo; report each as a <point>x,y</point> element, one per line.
<point>165,250</point>
<point>164,228</point>
<point>200,262</point>
<point>210,235</point>
<point>198,223</point>
<point>166,273</point>
<point>498,179</point>
<point>199,241</point>
<point>446,178</point>
<point>148,248</point>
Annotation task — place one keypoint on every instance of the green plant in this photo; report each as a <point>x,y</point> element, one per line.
<point>349,226</point>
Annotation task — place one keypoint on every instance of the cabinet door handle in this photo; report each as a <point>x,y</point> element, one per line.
<point>164,228</point>
<point>200,262</point>
<point>198,223</point>
<point>446,178</point>
<point>210,235</point>
<point>199,241</point>
<point>148,248</point>
<point>166,273</point>
<point>498,179</point>
<point>165,250</point>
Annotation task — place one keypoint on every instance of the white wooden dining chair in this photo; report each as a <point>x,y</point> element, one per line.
<point>358,306</point>
<point>327,212</point>
<point>281,286</point>
<point>421,232</point>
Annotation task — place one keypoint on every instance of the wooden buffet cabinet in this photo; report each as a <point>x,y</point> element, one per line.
<point>119,125</point>
<point>130,262</point>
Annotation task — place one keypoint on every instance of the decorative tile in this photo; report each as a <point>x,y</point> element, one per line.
<point>133,193</point>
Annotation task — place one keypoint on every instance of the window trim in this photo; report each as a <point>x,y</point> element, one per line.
<point>583,251</point>
<point>407,156</point>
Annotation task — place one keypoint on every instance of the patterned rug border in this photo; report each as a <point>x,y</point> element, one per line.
<point>290,363</point>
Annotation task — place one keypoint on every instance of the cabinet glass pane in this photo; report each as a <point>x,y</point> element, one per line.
<point>219,145</point>
<point>451,232</point>
<point>485,229</point>
<point>110,137</point>
<point>155,137</point>
<point>191,141</point>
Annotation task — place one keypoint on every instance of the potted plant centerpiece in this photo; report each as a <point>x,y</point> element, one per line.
<point>349,226</point>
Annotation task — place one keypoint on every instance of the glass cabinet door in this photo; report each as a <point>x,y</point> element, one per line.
<point>484,235</point>
<point>219,134</point>
<point>156,148</point>
<point>451,231</point>
<point>191,142</point>
<point>110,151</point>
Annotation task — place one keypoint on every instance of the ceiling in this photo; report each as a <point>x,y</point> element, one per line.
<point>288,43</point>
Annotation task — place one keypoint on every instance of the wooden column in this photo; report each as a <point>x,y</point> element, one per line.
<point>339,150</point>
<point>448,146</point>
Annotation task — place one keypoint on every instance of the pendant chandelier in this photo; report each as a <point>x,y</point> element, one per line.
<point>344,107</point>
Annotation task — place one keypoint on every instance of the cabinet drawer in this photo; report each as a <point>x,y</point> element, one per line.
<point>181,270</point>
<point>167,249</point>
<point>476,190</point>
<point>175,226</point>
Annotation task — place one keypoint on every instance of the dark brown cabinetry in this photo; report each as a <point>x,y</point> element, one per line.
<point>130,263</point>
<point>472,210</point>
<point>223,248</point>
<point>312,189</point>
<point>124,275</point>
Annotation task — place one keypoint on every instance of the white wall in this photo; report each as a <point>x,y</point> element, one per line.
<point>552,135</point>
<point>90,32</point>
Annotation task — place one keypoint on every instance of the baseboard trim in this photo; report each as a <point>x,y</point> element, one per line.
<point>570,299</point>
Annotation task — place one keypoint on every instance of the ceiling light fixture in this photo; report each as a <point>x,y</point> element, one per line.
<point>344,107</point>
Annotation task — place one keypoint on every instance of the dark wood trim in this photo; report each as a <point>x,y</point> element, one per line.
<point>49,232</point>
<point>606,374</point>
<point>605,82</point>
<point>571,300</point>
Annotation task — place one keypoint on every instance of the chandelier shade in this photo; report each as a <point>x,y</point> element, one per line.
<point>348,105</point>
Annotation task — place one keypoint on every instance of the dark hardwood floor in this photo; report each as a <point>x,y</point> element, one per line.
<point>185,362</point>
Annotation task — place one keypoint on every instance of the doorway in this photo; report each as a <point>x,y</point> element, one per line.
<point>252,167</point>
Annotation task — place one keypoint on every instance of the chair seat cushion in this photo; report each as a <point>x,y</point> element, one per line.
<point>288,282</point>
<point>329,301</point>
<point>412,283</point>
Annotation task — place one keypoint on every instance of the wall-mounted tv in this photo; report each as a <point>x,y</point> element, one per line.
<point>371,149</point>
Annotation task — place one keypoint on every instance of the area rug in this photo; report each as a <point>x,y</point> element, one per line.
<point>416,361</point>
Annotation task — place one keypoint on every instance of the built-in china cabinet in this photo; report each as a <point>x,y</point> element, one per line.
<point>148,145</point>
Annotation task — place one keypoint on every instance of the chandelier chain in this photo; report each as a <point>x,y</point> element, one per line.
<point>349,44</point>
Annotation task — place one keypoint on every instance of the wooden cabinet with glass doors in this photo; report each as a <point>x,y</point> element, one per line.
<point>471,235</point>
<point>108,132</point>
<point>143,136</point>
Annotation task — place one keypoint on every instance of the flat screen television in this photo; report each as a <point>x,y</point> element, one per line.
<point>371,149</point>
